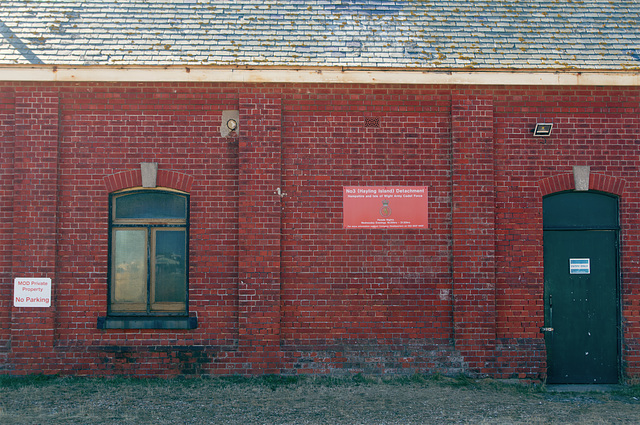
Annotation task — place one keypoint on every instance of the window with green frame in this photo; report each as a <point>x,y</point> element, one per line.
<point>149,247</point>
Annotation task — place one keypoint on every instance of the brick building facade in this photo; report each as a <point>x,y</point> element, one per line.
<point>274,282</point>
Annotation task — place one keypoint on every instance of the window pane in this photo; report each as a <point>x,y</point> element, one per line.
<point>170,266</point>
<point>157,205</point>
<point>130,266</point>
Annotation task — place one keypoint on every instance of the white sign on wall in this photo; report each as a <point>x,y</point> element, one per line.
<point>579,266</point>
<point>32,292</point>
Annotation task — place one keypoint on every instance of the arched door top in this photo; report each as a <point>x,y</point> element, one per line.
<point>580,210</point>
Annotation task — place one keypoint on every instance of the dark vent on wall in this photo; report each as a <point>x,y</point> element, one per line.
<point>372,122</point>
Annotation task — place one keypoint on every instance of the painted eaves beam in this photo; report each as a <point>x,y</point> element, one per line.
<point>52,73</point>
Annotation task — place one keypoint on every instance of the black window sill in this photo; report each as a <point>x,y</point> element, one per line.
<point>160,322</point>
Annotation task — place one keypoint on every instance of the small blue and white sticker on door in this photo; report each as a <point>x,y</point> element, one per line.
<point>579,265</point>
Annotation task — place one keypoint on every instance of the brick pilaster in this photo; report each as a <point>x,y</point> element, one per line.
<point>7,136</point>
<point>259,231</point>
<point>34,224</point>
<point>473,229</point>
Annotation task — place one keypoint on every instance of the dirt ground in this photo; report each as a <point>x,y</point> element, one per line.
<point>282,400</point>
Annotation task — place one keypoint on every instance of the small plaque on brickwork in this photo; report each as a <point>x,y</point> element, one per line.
<point>32,292</point>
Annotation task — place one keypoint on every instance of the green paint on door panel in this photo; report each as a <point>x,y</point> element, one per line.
<point>581,308</point>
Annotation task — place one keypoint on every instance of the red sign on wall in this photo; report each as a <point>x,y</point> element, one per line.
<point>384,207</point>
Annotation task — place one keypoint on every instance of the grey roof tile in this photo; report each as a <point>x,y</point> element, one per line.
<point>493,34</point>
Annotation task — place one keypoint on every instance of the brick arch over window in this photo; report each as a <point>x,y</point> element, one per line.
<point>133,178</point>
<point>599,182</point>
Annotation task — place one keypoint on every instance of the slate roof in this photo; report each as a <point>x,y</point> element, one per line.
<point>437,34</point>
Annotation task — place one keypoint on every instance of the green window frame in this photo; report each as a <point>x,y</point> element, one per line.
<point>148,254</point>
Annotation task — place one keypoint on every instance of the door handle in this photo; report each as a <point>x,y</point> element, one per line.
<point>550,327</point>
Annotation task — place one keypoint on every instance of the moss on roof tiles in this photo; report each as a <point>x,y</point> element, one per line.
<point>394,34</point>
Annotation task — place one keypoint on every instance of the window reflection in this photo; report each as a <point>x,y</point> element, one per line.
<point>150,205</point>
<point>130,266</point>
<point>170,272</point>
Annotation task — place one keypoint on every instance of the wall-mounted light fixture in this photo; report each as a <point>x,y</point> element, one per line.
<point>230,123</point>
<point>543,129</point>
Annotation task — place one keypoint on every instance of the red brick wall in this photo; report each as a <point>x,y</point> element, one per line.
<point>275,281</point>
<point>473,220</point>
<point>365,300</point>
<point>107,130</point>
<point>34,225</point>
<point>259,231</point>
<point>7,144</point>
<point>593,126</point>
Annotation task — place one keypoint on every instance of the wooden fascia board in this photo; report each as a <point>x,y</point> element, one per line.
<point>330,75</point>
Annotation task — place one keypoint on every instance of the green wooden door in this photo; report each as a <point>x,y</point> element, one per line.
<point>581,292</point>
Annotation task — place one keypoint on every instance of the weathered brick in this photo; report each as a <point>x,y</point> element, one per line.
<point>276,283</point>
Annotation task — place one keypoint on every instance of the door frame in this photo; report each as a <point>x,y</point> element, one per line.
<point>565,224</point>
